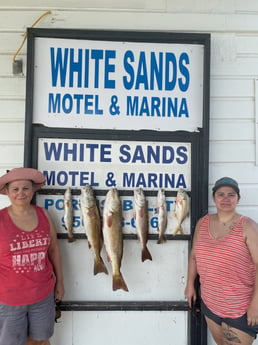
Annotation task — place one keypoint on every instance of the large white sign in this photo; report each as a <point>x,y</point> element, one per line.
<point>124,165</point>
<point>118,85</point>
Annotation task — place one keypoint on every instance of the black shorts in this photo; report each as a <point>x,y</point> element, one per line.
<point>238,323</point>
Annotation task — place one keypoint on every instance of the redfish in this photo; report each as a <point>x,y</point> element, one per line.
<point>181,209</point>
<point>162,215</point>
<point>141,222</point>
<point>92,225</point>
<point>113,236</point>
<point>68,214</point>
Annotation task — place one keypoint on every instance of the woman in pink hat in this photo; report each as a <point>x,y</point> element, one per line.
<point>225,255</point>
<point>30,263</point>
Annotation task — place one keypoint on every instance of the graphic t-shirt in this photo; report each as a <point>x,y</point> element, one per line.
<point>26,273</point>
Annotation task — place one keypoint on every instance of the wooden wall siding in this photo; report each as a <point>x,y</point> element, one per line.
<point>233,25</point>
<point>234,67</point>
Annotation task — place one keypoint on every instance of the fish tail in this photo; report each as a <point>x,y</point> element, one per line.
<point>71,238</point>
<point>146,255</point>
<point>178,230</point>
<point>99,266</point>
<point>119,283</point>
<point>161,239</point>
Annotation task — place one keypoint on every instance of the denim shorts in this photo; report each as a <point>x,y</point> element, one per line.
<point>238,323</point>
<point>34,320</point>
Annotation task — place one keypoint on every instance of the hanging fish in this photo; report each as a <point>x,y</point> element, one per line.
<point>141,222</point>
<point>113,236</point>
<point>162,215</point>
<point>181,209</point>
<point>92,225</point>
<point>68,214</point>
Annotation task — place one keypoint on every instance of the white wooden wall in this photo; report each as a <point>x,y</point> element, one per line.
<point>233,25</point>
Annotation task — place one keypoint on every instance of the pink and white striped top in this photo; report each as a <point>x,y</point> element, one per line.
<point>226,269</point>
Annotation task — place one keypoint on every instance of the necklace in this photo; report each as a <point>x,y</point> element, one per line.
<point>228,223</point>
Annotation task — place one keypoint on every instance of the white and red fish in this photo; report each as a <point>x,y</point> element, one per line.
<point>113,236</point>
<point>141,222</point>
<point>162,215</point>
<point>68,214</point>
<point>181,209</point>
<point>92,225</point>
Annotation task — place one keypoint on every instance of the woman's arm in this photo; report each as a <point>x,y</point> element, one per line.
<point>190,291</point>
<point>55,258</point>
<point>250,233</point>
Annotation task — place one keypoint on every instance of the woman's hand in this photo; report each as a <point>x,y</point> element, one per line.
<point>190,294</point>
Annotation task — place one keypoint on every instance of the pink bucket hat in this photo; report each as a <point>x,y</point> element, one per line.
<point>15,174</point>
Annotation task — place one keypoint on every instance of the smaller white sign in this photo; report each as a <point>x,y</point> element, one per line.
<point>124,165</point>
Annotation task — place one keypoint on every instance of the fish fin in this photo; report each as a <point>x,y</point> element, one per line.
<point>109,220</point>
<point>141,212</point>
<point>119,283</point>
<point>146,255</point>
<point>99,267</point>
<point>108,258</point>
<point>89,245</point>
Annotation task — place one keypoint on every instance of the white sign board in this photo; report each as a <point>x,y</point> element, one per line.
<point>105,164</point>
<point>118,85</point>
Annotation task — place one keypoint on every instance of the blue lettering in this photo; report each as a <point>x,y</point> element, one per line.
<point>170,72</point>
<point>156,71</point>
<point>58,65</point>
<point>153,154</point>
<point>75,67</point>
<point>109,68</point>
<point>144,109</point>
<point>70,151</point>
<point>67,103</point>
<point>184,84</point>
<point>75,178</point>
<point>105,152</point>
<point>183,110</point>
<point>54,103</point>
<point>168,155</point>
<point>97,55</point>
<point>59,204</point>
<point>128,82</point>
<point>127,205</point>
<point>50,177</point>
<point>62,178</point>
<point>92,148</point>
<point>52,151</point>
<point>125,158</point>
<point>142,77</point>
<point>132,105</point>
<point>129,180</point>
<point>86,68</point>
<point>153,180</point>
<point>182,155</point>
<point>138,155</point>
<point>48,203</point>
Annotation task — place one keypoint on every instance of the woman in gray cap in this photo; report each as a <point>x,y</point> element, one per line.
<point>225,256</point>
<point>30,263</point>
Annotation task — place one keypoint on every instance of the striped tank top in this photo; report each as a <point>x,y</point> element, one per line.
<point>226,269</point>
